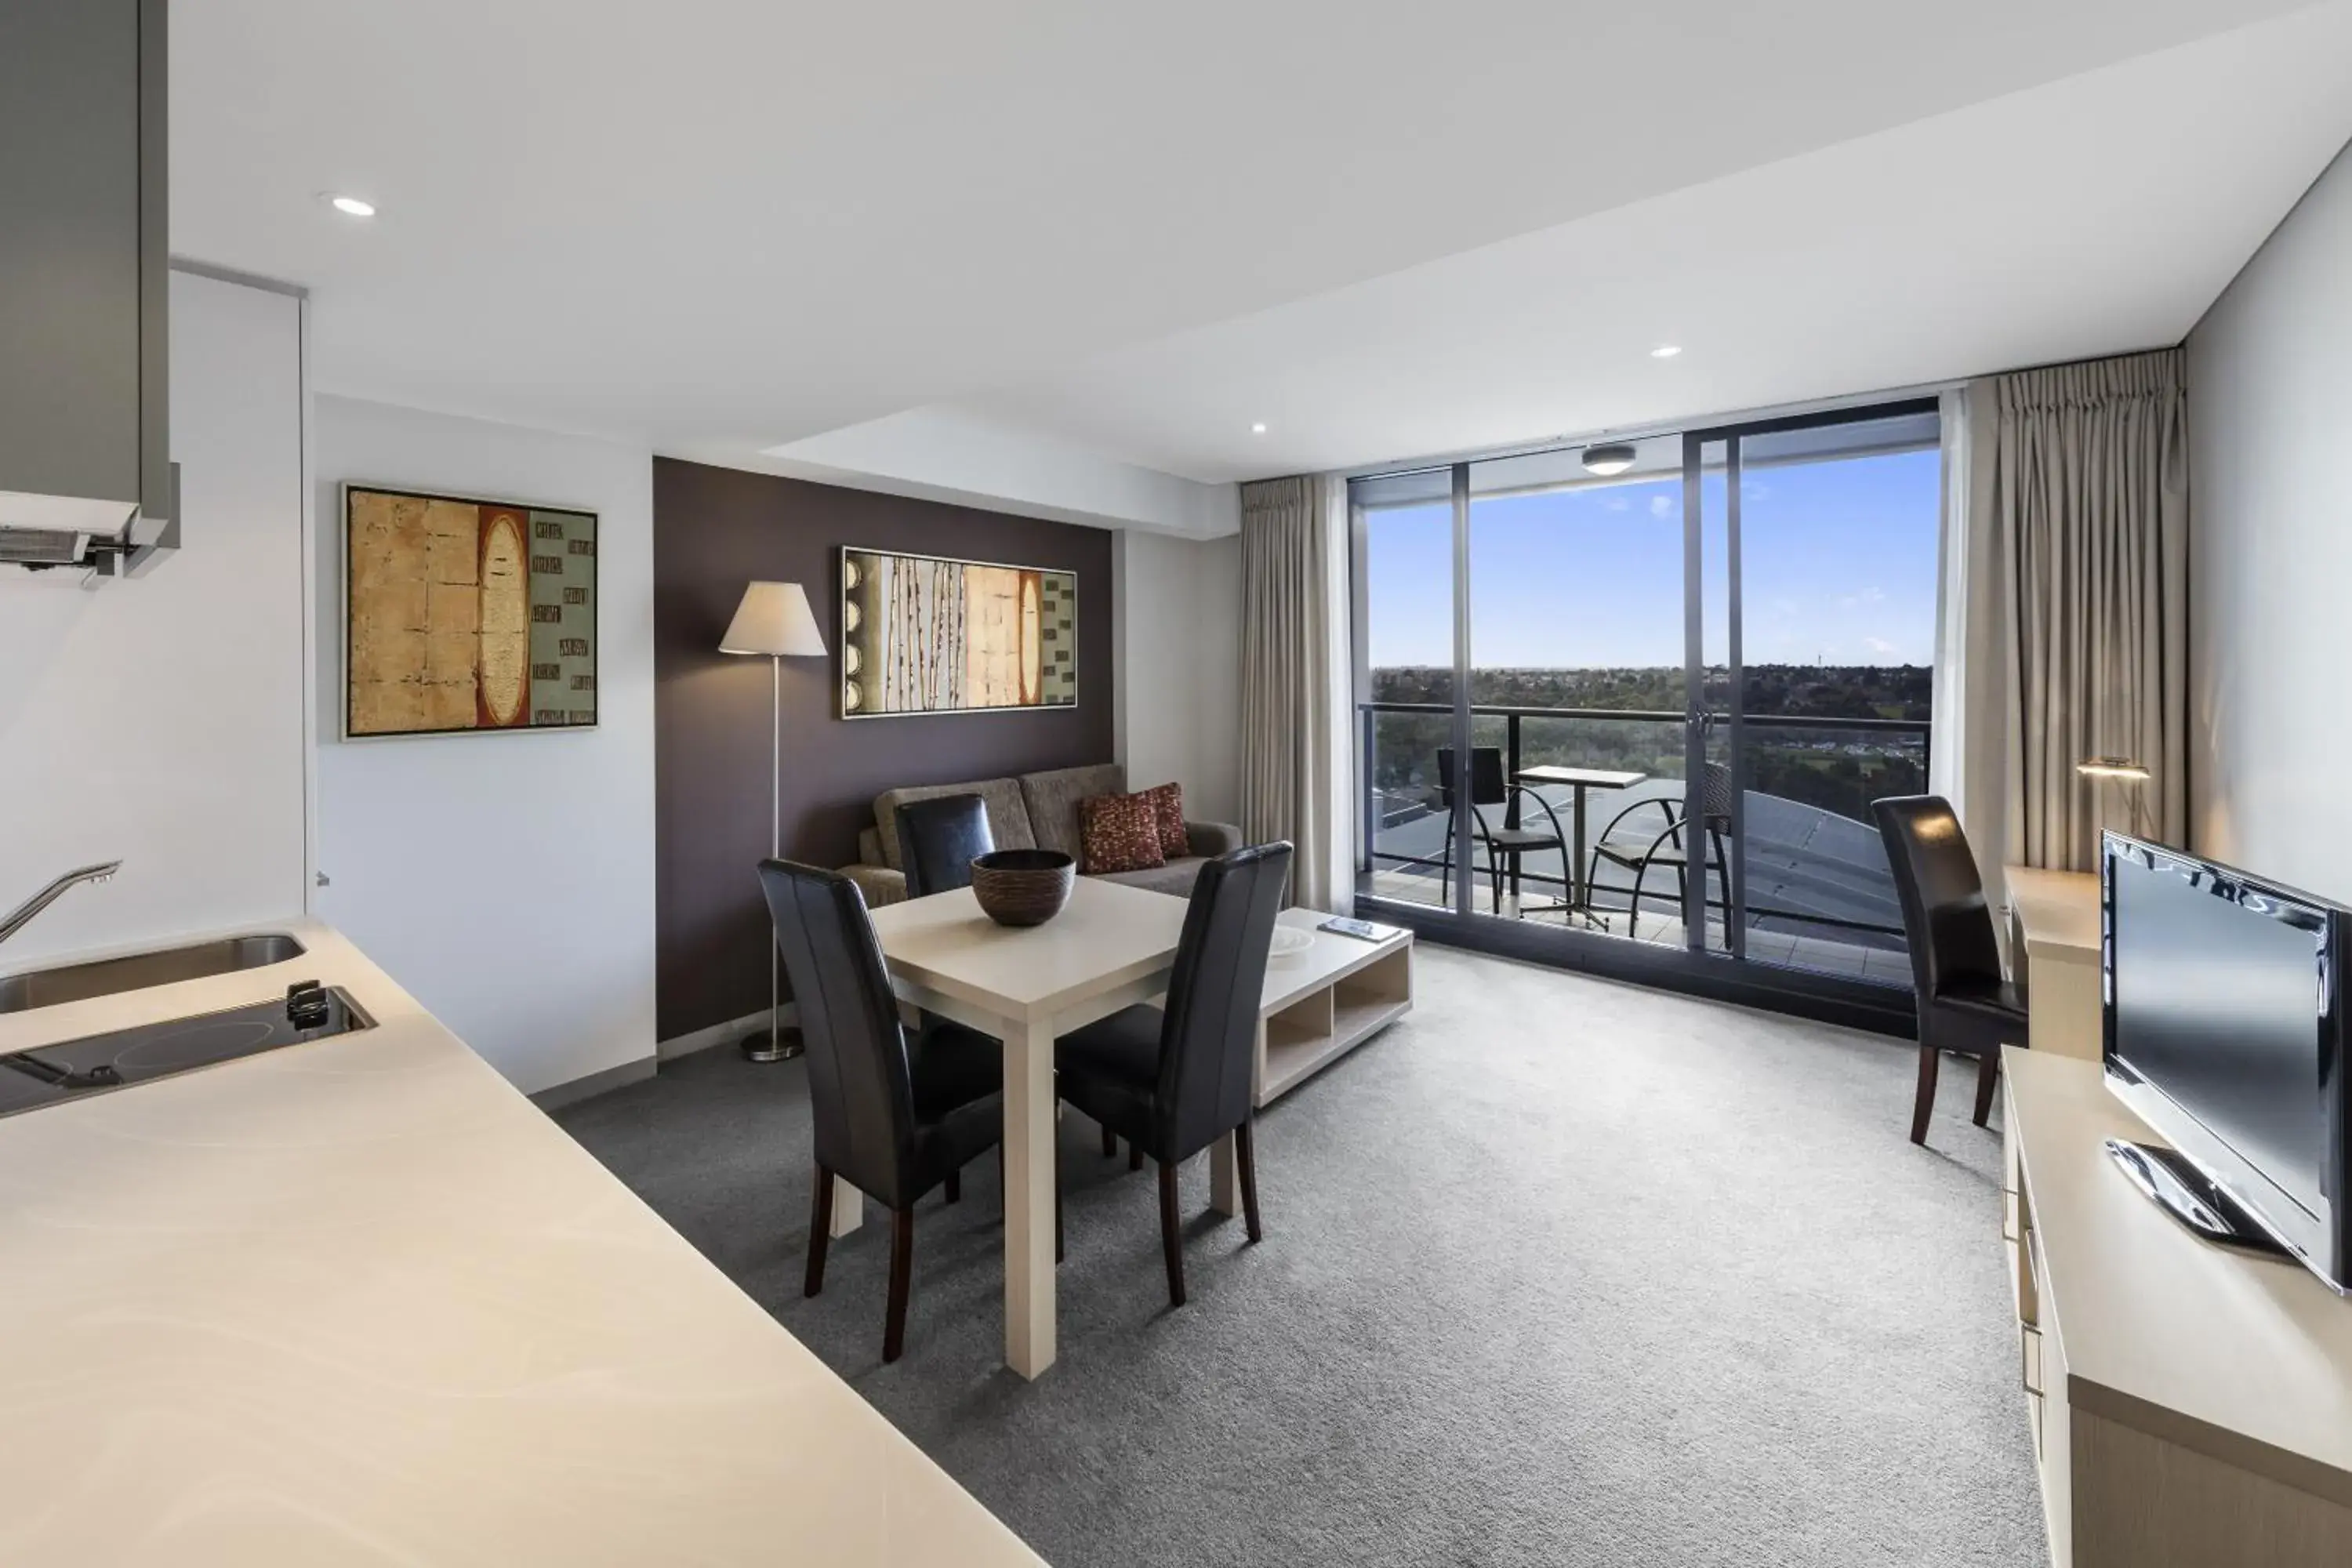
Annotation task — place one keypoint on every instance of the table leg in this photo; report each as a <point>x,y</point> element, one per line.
<point>1029,1197</point>
<point>848,1207</point>
<point>1225,1175</point>
<point>1577,891</point>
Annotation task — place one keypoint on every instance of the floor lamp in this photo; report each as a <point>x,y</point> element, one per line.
<point>774,619</point>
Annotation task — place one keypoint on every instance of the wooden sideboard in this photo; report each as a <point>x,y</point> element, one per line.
<point>2190,1405</point>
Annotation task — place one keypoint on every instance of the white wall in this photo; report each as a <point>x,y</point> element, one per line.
<point>158,721</point>
<point>507,880</point>
<point>1177,606</point>
<point>2270,580</point>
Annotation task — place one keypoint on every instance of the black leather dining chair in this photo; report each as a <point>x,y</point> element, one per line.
<point>1173,1081</point>
<point>939,838</point>
<point>894,1117</point>
<point>1965,1004</point>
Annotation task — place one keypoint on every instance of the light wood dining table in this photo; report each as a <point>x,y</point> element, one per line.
<point>1111,947</point>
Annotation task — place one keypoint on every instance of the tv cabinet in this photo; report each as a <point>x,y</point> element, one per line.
<point>2189,1404</point>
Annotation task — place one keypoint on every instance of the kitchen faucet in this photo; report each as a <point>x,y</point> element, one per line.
<point>18,919</point>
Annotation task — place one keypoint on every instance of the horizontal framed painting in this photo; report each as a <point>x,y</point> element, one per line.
<point>462,615</point>
<point>923,633</point>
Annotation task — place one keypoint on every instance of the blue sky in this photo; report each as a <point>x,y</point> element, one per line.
<point>1839,561</point>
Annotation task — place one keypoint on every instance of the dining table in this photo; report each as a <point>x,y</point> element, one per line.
<point>1579,780</point>
<point>1111,947</point>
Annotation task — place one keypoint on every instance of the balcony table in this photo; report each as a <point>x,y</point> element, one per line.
<point>1579,780</point>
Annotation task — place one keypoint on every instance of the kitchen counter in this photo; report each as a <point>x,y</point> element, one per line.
<point>358,1301</point>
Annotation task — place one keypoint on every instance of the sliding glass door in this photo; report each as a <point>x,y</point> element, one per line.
<point>1637,696</point>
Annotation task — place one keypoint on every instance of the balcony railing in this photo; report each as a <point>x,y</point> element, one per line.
<point>1795,766</point>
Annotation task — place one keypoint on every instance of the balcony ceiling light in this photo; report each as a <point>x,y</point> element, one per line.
<point>352,206</point>
<point>1607,460</point>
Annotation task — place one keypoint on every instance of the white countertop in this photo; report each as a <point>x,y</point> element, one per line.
<point>358,1301</point>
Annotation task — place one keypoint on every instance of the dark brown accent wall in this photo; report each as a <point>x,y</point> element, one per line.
<point>717,528</point>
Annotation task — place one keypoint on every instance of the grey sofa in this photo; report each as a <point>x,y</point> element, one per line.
<point>1034,811</point>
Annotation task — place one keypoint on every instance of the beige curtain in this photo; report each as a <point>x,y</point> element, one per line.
<point>2091,493</point>
<point>1286,679</point>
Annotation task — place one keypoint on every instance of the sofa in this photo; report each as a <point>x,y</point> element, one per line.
<point>1034,811</point>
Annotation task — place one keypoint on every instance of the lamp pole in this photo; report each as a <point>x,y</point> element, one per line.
<point>772,1046</point>
<point>774,619</point>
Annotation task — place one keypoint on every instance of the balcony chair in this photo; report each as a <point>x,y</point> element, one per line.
<point>1964,1004</point>
<point>1639,850</point>
<point>1173,1081</point>
<point>1488,787</point>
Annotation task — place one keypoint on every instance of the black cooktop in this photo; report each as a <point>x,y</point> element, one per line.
<point>55,1074</point>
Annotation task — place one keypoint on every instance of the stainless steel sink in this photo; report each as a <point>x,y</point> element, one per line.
<point>79,981</point>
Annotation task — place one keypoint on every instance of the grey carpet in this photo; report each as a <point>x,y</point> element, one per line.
<point>1556,1271</point>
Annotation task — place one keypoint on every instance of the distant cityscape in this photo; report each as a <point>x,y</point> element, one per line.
<point>1840,771</point>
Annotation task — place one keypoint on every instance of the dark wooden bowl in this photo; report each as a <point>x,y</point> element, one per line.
<point>1022,887</point>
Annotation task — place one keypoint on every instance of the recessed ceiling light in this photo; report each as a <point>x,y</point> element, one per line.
<point>352,206</point>
<point>1607,460</point>
<point>1665,350</point>
<point>1258,428</point>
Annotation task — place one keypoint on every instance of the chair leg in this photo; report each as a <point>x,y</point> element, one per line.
<point>1925,1106</point>
<point>902,1269</point>
<point>1987,1076</point>
<point>1245,1151</point>
<point>1170,1241</point>
<point>1111,1142</point>
<point>820,1233</point>
<point>954,1185</point>
<point>1135,1157</point>
<point>1445,864</point>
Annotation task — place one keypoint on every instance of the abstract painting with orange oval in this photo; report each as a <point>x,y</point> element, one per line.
<point>465,614</point>
<point>922,634</point>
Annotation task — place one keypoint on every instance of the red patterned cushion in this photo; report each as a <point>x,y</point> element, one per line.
<point>1121,833</point>
<point>1168,800</point>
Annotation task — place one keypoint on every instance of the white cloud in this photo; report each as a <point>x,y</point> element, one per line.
<point>1868,596</point>
<point>1663,506</point>
<point>1878,645</point>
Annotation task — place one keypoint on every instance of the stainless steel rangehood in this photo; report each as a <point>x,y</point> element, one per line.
<point>85,454</point>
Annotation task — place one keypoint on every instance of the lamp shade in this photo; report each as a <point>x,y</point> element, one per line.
<point>774,618</point>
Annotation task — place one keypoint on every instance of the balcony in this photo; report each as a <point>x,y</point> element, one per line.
<point>1819,895</point>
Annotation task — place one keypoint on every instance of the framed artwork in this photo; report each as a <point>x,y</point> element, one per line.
<point>922,634</point>
<point>463,615</point>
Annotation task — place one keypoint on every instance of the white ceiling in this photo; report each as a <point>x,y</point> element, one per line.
<point>2097,216</point>
<point>720,225</point>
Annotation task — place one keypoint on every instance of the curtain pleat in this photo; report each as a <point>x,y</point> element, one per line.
<point>2091,493</point>
<point>1285,669</point>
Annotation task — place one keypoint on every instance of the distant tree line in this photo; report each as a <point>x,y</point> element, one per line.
<point>1836,770</point>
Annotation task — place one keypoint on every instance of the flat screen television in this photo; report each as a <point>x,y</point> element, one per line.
<point>2225,1031</point>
